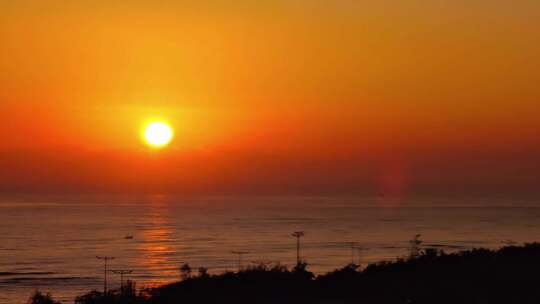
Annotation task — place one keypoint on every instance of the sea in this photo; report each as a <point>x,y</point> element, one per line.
<point>51,243</point>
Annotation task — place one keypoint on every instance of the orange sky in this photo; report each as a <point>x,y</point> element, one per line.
<point>331,97</point>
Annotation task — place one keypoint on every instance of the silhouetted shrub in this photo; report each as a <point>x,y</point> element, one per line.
<point>40,298</point>
<point>126,295</point>
<point>203,272</point>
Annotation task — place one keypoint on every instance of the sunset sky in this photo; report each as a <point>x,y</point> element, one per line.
<point>271,97</point>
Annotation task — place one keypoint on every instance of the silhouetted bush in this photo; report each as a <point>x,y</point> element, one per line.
<point>203,272</point>
<point>40,298</point>
<point>125,295</point>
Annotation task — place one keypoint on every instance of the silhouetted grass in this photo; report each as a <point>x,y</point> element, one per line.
<point>508,275</point>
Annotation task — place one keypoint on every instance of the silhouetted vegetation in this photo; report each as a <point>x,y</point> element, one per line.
<point>40,298</point>
<point>508,275</point>
<point>125,295</point>
<point>185,271</point>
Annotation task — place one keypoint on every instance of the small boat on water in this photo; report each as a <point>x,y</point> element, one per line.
<point>128,237</point>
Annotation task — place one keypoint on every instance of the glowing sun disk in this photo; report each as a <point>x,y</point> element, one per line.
<point>158,134</point>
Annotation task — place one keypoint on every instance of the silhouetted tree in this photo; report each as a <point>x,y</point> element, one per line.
<point>185,271</point>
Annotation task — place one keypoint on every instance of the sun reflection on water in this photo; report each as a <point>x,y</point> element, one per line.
<point>158,257</point>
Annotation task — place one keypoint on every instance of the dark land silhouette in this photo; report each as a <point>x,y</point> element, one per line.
<point>508,275</point>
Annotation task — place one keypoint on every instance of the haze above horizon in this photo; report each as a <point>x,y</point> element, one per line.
<point>271,97</point>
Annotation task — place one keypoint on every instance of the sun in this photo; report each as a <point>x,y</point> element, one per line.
<point>158,134</point>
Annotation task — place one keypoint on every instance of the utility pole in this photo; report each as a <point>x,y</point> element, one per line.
<point>122,272</point>
<point>298,235</point>
<point>105,260</point>
<point>240,254</point>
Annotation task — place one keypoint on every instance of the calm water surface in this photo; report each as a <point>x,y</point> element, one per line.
<point>51,243</point>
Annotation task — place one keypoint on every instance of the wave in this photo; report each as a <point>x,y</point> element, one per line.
<point>10,274</point>
<point>48,280</point>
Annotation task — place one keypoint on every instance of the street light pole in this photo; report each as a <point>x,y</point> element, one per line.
<point>105,260</point>
<point>298,235</point>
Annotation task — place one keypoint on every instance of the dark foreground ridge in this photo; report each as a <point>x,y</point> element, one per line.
<point>508,275</point>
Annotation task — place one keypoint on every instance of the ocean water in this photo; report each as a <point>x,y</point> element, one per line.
<point>51,243</point>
